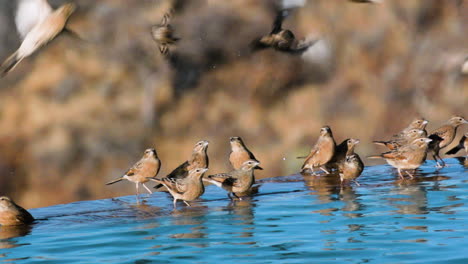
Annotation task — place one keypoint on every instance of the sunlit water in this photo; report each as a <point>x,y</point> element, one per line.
<point>291,219</point>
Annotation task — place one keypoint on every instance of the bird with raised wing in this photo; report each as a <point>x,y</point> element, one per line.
<point>236,181</point>
<point>163,34</point>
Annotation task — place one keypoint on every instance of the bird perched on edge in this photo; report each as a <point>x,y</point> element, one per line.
<point>462,144</point>
<point>163,34</point>
<point>443,136</point>
<point>199,159</point>
<point>145,169</point>
<point>240,153</point>
<point>281,39</point>
<point>12,214</point>
<point>236,181</point>
<point>321,153</point>
<point>404,139</point>
<point>39,35</point>
<point>352,166</point>
<point>407,157</point>
<point>418,123</point>
<point>186,189</point>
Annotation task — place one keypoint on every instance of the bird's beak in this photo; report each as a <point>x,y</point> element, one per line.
<point>428,140</point>
<point>425,122</point>
<point>356,141</point>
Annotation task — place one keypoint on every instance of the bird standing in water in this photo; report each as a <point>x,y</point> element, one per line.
<point>322,152</point>
<point>144,170</point>
<point>352,166</point>
<point>236,181</point>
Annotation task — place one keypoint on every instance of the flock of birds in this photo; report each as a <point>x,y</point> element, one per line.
<point>407,151</point>
<point>38,24</point>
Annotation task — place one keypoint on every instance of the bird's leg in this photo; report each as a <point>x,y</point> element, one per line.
<point>175,203</point>
<point>401,175</point>
<point>324,170</point>
<point>147,188</point>
<point>409,174</point>
<point>187,203</point>
<point>137,189</point>
<point>229,195</point>
<point>237,196</point>
<point>356,182</point>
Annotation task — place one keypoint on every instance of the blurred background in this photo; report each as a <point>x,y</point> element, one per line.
<point>80,112</point>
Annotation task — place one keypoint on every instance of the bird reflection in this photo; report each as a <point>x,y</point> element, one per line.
<point>7,233</point>
<point>244,210</point>
<point>325,187</point>
<point>195,217</point>
<point>352,205</point>
<point>412,200</point>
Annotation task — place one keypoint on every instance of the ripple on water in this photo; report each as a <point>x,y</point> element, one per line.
<point>291,219</point>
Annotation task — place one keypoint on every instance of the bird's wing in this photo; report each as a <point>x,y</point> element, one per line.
<point>394,155</point>
<point>179,172</point>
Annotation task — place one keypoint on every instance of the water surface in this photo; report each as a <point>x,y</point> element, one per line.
<point>291,219</point>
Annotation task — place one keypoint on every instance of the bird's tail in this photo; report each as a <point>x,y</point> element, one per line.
<point>454,150</point>
<point>10,63</point>
<point>217,183</point>
<point>382,143</point>
<point>114,181</point>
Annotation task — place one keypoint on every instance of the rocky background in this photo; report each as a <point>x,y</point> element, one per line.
<point>80,112</point>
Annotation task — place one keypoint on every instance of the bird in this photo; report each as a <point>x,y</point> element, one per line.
<point>163,34</point>
<point>463,144</point>
<point>199,159</point>
<point>352,166</point>
<point>418,123</point>
<point>240,153</point>
<point>12,214</point>
<point>281,39</point>
<point>39,35</point>
<point>143,170</point>
<point>186,189</point>
<point>407,157</point>
<point>322,152</point>
<point>236,181</point>
<point>403,139</point>
<point>367,1</point>
<point>29,13</point>
<point>443,136</point>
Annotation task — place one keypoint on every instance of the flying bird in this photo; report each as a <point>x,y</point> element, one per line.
<point>281,39</point>
<point>39,35</point>
<point>163,34</point>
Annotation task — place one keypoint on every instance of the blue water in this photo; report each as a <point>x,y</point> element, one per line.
<point>292,219</point>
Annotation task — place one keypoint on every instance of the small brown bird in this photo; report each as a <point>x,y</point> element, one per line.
<point>443,136</point>
<point>352,166</point>
<point>12,214</point>
<point>186,189</point>
<point>198,160</point>
<point>145,169</point>
<point>407,157</point>
<point>418,123</point>
<point>463,144</point>
<point>281,39</point>
<point>322,152</point>
<point>163,34</point>
<point>240,153</point>
<point>41,34</point>
<point>236,181</point>
<point>404,139</point>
